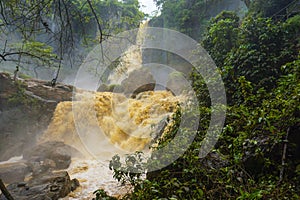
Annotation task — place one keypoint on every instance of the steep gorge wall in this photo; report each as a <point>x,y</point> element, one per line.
<point>26,109</point>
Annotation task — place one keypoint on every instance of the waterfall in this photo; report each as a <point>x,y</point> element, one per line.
<point>102,124</point>
<point>125,122</point>
<point>131,60</point>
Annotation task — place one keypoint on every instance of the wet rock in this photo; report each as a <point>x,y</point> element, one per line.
<point>44,90</point>
<point>177,83</point>
<point>214,160</point>
<point>14,172</point>
<point>41,167</point>
<point>74,184</point>
<point>103,88</point>
<point>48,186</point>
<point>53,154</point>
<point>111,88</point>
<point>138,81</point>
<point>159,129</point>
<point>14,150</point>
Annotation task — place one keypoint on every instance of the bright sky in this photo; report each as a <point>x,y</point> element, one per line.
<point>147,6</point>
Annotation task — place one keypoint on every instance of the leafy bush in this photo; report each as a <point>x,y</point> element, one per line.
<point>131,171</point>
<point>257,155</point>
<point>19,97</point>
<point>221,36</point>
<point>256,49</point>
<point>101,195</point>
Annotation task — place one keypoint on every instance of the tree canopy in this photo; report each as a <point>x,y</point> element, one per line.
<point>58,32</point>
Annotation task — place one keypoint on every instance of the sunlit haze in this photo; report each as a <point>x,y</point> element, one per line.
<point>147,6</point>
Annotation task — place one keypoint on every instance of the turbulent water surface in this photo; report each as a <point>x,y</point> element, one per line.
<point>124,125</point>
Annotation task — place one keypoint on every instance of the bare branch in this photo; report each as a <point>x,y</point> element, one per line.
<point>97,20</point>
<point>283,163</point>
<point>5,191</point>
<point>4,55</point>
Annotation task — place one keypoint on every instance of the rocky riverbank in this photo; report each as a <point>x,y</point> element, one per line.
<point>26,109</point>
<point>40,174</point>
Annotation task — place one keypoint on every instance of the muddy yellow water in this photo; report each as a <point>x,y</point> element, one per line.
<point>127,123</point>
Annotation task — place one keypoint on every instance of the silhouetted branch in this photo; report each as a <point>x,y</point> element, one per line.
<point>97,20</point>
<point>5,191</point>
<point>4,55</point>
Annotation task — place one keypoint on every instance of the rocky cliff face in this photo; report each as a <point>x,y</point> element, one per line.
<point>26,108</point>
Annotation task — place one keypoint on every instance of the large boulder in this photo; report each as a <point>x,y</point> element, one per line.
<point>214,160</point>
<point>138,81</point>
<point>49,152</point>
<point>48,186</point>
<point>177,83</point>
<point>110,88</point>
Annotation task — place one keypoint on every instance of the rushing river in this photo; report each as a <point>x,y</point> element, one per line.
<point>92,175</point>
<point>125,125</point>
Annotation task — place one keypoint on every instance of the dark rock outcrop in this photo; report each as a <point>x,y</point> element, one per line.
<point>110,88</point>
<point>138,81</point>
<point>214,160</point>
<point>44,90</point>
<point>177,83</point>
<point>48,186</point>
<point>55,155</point>
<point>26,109</point>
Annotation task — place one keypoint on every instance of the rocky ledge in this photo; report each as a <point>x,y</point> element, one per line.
<point>26,109</point>
<point>36,177</point>
<point>48,186</point>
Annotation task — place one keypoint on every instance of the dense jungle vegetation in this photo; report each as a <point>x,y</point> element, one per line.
<point>257,51</point>
<point>258,153</point>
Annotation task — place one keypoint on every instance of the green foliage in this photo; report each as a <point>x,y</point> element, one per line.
<point>19,97</point>
<point>293,24</point>
<point>130,171</point>
<point>44,33</point>
<point>259,61</point>
<point>260,52</point>
<point>268,8</point>
<point>38,51</point>
<point>258,125</point>
<point>101,195</point>
<point>222,36</point>
<point>188,17</point>
<point>292,33</point>
<point>256,50</point>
